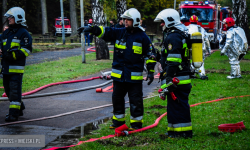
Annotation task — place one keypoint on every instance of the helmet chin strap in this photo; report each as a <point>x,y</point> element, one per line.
<point>163,28</point>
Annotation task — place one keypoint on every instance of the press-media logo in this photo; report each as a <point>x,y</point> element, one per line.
<point>22,140</point>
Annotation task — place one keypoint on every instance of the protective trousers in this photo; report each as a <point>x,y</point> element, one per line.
<point>13,88</point>
<point>178,113</point>
<point>201,71</point>
<point>235,67</point>
<point>135,94</point>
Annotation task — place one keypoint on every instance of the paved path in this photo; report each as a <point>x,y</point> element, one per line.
<point>40,57</point>
<point>54,105</point>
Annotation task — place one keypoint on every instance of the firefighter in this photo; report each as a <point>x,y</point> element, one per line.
<point>235,47</point>
<point>175,62</point>
<point>193,27</point>
<point>16,46</point>
<point>132,48</point>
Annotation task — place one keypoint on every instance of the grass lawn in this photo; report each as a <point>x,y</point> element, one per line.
<point>205,117</point>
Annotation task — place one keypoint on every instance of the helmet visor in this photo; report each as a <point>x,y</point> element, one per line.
<point>125,17</point>
<point>8,16</point>
<point>158,19</point>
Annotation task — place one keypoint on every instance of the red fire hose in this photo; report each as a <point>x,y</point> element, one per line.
<point>121,131</point>
<point>232,127</point>
<point>51,84</point>
<point>92,49</point>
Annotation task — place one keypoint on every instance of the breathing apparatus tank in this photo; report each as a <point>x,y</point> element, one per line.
<point>197,56</point>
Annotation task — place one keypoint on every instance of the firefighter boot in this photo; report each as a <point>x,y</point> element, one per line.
<point>202,73</point>
<point>238,72</point>
<point>21,110</point>
<point>233,73</point>
<point>116,124</point>
<point>204,77</point>
<point>170,136</point>
<point>135,126</point>
<point>113,126</point>
<point>10,118</point>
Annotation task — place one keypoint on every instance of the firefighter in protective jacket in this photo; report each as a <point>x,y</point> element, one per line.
<point>193,27</point>
<point>16,45</point>
<point>175,62</point>
<point>132,49</point>
<point>235,47</point>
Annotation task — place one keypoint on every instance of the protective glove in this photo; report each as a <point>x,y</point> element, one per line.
<point>79,30</point>
<point>172,88</point>
<point>95,30</point>
<point>84,29</point>
<point>14,54</point>
<point>168,85</point>
<point>150,76</point>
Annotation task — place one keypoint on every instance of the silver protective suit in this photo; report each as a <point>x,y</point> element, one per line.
<point>181,27</point>
<point>235,48</point>
<point>205,45</point>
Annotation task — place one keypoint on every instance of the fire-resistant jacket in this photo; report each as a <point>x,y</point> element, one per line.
<point>176,55</point>
<point>236,43</point>
<point>19,40</point>
<point>130,52</point>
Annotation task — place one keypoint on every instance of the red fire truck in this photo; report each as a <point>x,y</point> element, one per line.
<point>58,26</point>
<point>210,15</point>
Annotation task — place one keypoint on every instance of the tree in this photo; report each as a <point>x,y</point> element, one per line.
<point>121,7</point>
<point>44,17</point>
<point>73,17</point>
<point>4,9</point>
<point>240,15</point>
<point>102,51</point>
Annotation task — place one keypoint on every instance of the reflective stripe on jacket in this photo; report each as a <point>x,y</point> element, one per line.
<point>177,57</point>
<point>17,42</point>
<point>130,52</point>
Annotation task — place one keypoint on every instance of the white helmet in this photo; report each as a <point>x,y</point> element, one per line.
<point>18,13</point>
<point>170,16</point>
<point>133,14</point>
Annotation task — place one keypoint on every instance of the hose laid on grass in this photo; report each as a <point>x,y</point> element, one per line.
<point>57,83</point>
<point>142,129</point>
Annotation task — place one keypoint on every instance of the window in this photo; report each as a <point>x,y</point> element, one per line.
<point>204,15</point>
<point>58,22</point>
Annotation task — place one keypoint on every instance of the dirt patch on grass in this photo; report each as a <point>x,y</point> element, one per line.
<point>157,113</point>
<point>223,71</point>
<point>109,142</point>
<point>157,106</point>
<point>131,142</point>
<point>163,136</point>
<point>245,60</point>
